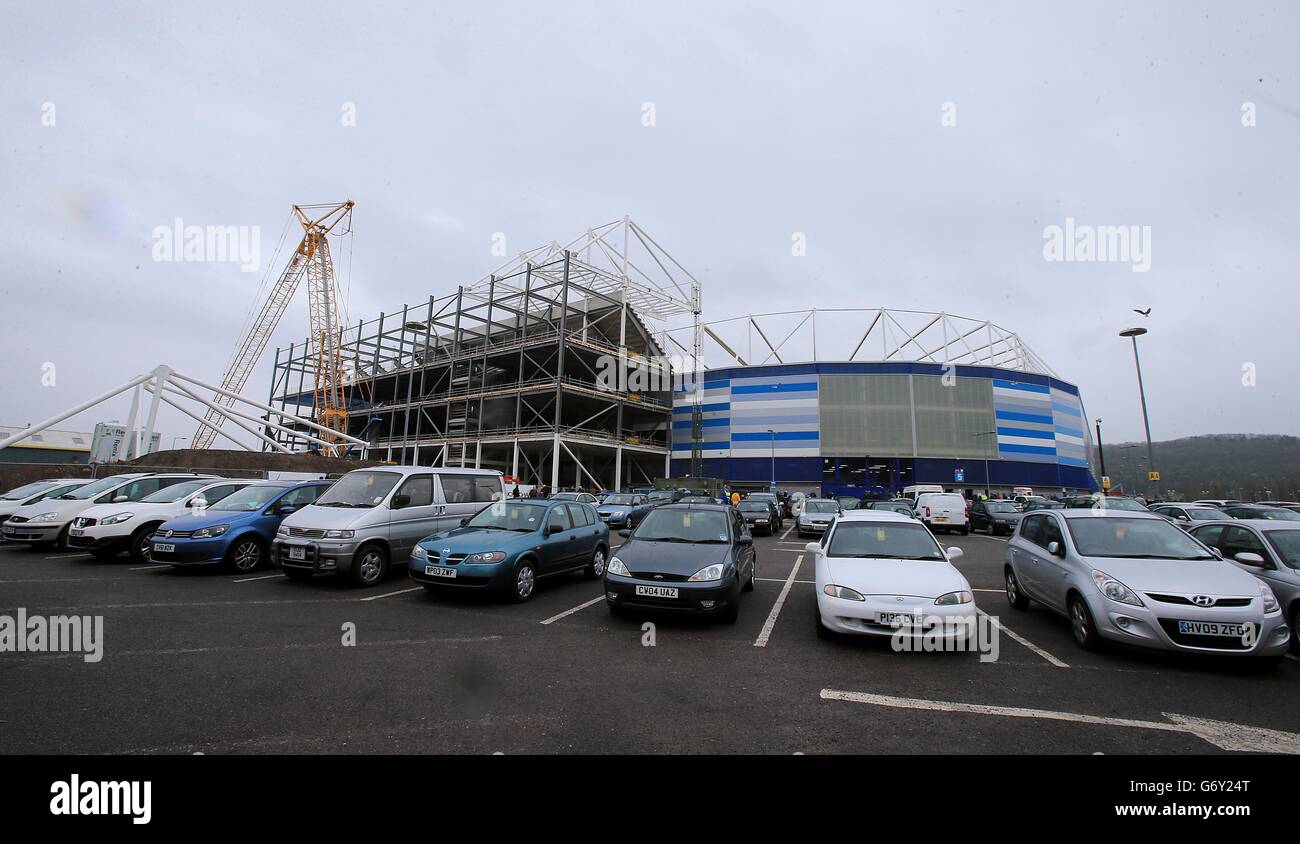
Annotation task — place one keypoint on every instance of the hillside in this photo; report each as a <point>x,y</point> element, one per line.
<point>1247,466</point>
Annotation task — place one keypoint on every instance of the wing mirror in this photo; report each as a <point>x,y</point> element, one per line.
<point>400,501</point>
<point>813,548</point>
<point>285,509</point>
<point>1055,549</point>
<point>745,539</point>
<point>552,528</point>
<point>954,553</point>
<point>1249,558</point>
<point>120,499</point>
<point>625,533</point>
<point>464,521</point>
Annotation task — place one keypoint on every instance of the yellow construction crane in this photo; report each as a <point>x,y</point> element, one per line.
<point>311,259</point>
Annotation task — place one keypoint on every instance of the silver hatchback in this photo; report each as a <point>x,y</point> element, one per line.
<point>1134,578</point>
<point>1266,548</point>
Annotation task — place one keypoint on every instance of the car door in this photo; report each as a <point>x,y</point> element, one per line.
<point>744,553</point>
<point>460,499</point>
<point>416,519</point>
<point>1024,551</point>
<point>978,516</point>
<point>584,530</point>
<point>559,543</point>
<point>1053,572</point>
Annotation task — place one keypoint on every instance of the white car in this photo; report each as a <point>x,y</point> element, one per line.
<point>878,572</point>
<point>943,511</point>
<point>106,530</point>
<point>48,522</point>
<point>817,515</point>
<point>19,497</point>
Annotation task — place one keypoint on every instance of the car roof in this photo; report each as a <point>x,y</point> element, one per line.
<point>874,516</point>
<point>413,470</point>
<point>1101,513</point>
<point>692,506</point>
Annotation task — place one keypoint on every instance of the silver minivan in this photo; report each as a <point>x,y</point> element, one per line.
<point>371,517</point>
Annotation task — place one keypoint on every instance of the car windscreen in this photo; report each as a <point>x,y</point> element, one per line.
<point>94,488</point>
<point>175,492</point>
<point>673,525</point>
<point>618,500</point>
<point>1276,514</point>
<point>249,498</point>
<point>565,496</point>
<point>821,507</point>
<point>754,506</point>
<point>1133,539</point>
<point>1000,507</point>
<point>520,516</point>
<point>26,491</point>
<point>1205,514</point>
<point>884,540</point>
<point>1118,504</point>
<point>1287,545</point>
<point>360,489</point>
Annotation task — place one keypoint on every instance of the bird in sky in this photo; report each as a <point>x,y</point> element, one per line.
<point>1147,312</point>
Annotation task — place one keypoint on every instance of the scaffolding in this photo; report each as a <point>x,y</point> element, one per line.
<point>546,369</point>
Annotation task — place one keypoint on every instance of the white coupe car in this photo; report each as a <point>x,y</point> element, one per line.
<point>878,572</point>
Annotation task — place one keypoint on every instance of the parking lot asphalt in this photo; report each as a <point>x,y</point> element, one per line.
<point>218,663</point>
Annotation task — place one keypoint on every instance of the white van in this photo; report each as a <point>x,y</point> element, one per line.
<point>371,517</point>
<point>914,491</point>
<point>943,511</point>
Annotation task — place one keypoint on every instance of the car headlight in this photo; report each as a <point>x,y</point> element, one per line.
<point>116,518</point>
<point>46,517</point>
<point>842,592</point>
<point>713,572</point>
<point>1114,590</point>
<point>620,514</point>
<point>954,598</point>
<point>282,530</point>
<point>1270,600</point>
<point>339,534</point>
<point>419,552</point>
<point>210,532</point>
<point>486,557</point>
<point>615,566</point>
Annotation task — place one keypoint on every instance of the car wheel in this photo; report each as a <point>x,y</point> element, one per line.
<point>296,574</point>
<point>965,531</point>
<point>245,555</point>
<point>1081,624</point>
<point>61,541</point>
<point>597,567</point>
<point>141,547</point>
<point>524,583</point>
<point>1015,596</point>
<point>753,570</point>
<point>1295,628</point>
<point>369,565</point>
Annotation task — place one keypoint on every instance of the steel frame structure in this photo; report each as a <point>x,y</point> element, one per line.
<point>509,371</point>
<point>849,334</point>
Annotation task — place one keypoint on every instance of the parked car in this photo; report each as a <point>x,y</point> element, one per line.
<point>693,558</point>
<point>580,497</point>
<point>623,509</point>
<point>817,515</point>
<point>774,504</point>
<point>902,506</point>
<point>758,516</point>
<point>848,502</point>
<point>373,516</point>
<point>1105,502</point>
<point>18,497</point>
<point>660,497</point>
<point>1046,504</point>
<point>944,511</point>
<point>1136,579</point>
<point>106,530</point>
<point>1268,549</point>
<point>697,499</point>
<point>48,522</point>
<point>1186,515</point>
<point>1254,511</point>
<point>236,531</point>
<point>1218,502</point>
<point>1286,505</point>
<point>509,545</point>
<point>994,517</point>
<point>877,571</point>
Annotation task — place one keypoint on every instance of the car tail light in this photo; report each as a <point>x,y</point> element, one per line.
<point>927,512</point>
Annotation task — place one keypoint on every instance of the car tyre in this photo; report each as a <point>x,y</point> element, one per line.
<point>965,531</point>
<point>597,567</point>
<point>1082,625</point>
<point>369,565</point>
<point>245,554</point>
<point>753,570</point>
<point>524,583</point>
<point>732,612</point>
<point>1015,595</point>
<point>141,547</point>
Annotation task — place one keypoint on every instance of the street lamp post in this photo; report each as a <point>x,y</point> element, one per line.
<point>1133,334</point>
<point>988,487</point>
<point>1101,455</point>
<point>773,435</point>
<point>174,440</point>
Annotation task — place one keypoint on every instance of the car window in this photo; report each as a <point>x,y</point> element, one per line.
<point>1287,545</point>
<point>1204,514</point>
<point>1031,529</point>
<point>673,525</point>
<point>1133,538</point>
<point>133,491</point>
<point>1237,540</point>
<point>486,489</point>
<point>360,489</point>
<point>884,540</point>
<point>1210,535</point>
<point>214,494</point>
<point>300,497</point>
<point>420,490</point>
<point>1051,532</point>
<point>559,518</point>
<point>578,515</point>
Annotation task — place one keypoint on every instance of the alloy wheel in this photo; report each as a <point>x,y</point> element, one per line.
<point>247,555</point>
<point>525,580</point>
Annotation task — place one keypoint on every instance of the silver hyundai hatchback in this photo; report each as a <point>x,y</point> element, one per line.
<point>1134,578</point>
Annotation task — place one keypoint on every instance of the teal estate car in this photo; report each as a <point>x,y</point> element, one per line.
<point>509,544</point>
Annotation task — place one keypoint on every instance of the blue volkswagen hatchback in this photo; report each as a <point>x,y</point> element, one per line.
<point>509,544</point>
<point>237,530</point>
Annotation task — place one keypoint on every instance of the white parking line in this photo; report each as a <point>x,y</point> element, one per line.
<point>781,580</point>
<point>766,632</point>
<point>391,594</point>
<point>787,532</point>
<point>1222,734</point>
<point>578,608</point>
<point>263,577</point>
<point>1022,640</point>
<point>146,568</point>
<point>64,556</point>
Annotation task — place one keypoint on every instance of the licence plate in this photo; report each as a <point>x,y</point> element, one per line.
<point>164,547</point>
<point>657,591</point>
<point>896,618</point>
<point>76,532</point>
<point>1211,628</point>
<point>438,571</point>
<point>297,552</point>
<point>941,518</point>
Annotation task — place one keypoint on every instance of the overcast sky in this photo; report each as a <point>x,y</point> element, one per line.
<point>769,119</point>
